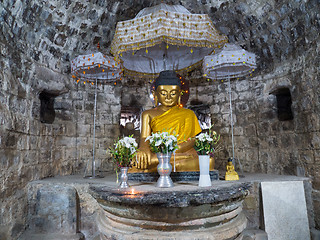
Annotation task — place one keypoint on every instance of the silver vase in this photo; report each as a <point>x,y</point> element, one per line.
<point>164,169</point>
<point>124,178</point>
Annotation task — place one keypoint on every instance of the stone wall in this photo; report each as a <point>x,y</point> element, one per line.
<point>39,38</point>
<point>33,150</point>
<point>34,58</point>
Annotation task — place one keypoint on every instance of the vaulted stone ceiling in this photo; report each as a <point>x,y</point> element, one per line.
<point>53,32</point>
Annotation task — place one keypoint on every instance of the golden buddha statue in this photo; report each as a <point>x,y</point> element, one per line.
<point>231,174</point>
<point>169,117</point>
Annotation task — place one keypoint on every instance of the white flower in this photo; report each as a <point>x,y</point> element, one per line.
<point>158,143</point>
<point>156,135</point>
<point>132,150</point>
<point>173,138</point>
<point>201,137</point>
<point>168,142</point>
<point>164,135</point>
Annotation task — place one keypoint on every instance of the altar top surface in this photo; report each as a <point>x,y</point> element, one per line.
<point>108,189</point>
<point>110,179</point>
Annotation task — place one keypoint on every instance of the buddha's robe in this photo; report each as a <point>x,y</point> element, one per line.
<point>179,121</point>
<point>184,123</point>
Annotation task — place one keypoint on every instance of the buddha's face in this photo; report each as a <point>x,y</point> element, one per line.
<point>168,95</point>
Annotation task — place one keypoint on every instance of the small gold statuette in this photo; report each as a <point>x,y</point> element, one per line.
<point>231,174</point>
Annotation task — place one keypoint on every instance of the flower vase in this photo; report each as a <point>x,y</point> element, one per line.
<point>164,169</point>
<point>124,178</point>
<point>204,163</point>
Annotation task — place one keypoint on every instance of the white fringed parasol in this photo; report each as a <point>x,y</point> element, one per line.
<point>231,62</point>
<point>164,37</point>
<point>93,69</point>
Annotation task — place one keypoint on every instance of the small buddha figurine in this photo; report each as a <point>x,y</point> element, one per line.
<point>231,174</point>
<point>169,117</point>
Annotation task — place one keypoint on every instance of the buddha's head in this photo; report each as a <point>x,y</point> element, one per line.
<point>167,89</point>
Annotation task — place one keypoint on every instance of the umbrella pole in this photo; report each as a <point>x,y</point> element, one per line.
<point>231,120</point>
<point>94,131</point>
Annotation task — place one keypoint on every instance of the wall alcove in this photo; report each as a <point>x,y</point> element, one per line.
<point>284,102</point>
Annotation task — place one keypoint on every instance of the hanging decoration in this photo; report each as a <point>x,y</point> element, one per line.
<point>164,37</point>
<point>231,62</point>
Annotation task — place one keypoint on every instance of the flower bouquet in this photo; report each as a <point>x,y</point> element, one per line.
<point>123,153</point>
<point>162,142</point>
<point>205,143</point>
<point>163,145</point>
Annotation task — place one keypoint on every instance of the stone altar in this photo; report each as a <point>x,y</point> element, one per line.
<point>184,211</point>
<point>82,217</point>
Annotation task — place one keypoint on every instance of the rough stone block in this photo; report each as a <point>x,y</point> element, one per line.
<point>238,131</point>
<point>65,141</point>
<point>225,109</point>
<point>315,140</point>
<point>58,155</point>
<point>250,130</point>
<point>315,234</point>
<point>58,129</point>
<point>245,95</point>
<point>254,234</point>
<point>105,118</point>
<point>103,107</point>
<point>45,156</point>
<point>30,157</point>
<point>250,202</point>
<point>77,95</point>
<point>52,209</point>
<point>71,129</point>
<point>116,118</point>
<point>242,107</point>
<point>84,130</point>
<point>221,97</point>
<point>214,109</point>
<point>34,127</point>
<point>242,86</point>
<point>115,109</point>
<point>88,106</point>
<point>306,157</point>
<point>71,153</point>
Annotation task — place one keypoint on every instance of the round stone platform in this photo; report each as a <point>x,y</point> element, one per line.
<point>184,211</point>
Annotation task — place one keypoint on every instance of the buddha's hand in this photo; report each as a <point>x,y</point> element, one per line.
<point>143,158</point>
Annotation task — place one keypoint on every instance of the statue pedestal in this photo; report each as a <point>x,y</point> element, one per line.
<point>184,211</point>
<point>175,176</point>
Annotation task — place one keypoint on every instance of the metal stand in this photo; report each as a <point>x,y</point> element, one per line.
<point>93,164</point>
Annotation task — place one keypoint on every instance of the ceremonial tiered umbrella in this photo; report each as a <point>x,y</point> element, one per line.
<point>230,62</point>
<point>94,69</point>
<point>164,37</point>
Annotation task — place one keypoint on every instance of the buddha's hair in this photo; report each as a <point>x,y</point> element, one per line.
<point>168,77</point>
